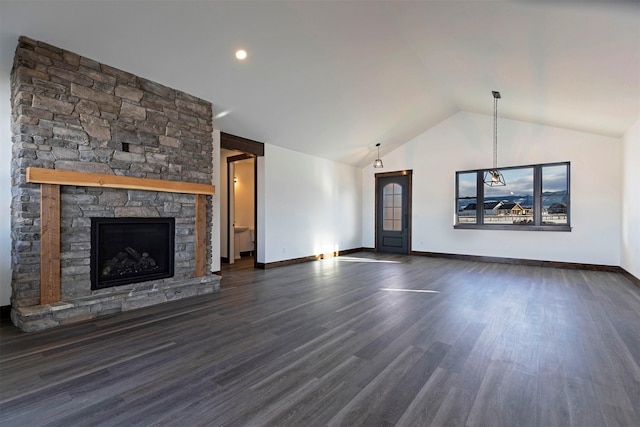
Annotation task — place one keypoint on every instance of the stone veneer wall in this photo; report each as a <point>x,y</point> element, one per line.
<point>70,112</point>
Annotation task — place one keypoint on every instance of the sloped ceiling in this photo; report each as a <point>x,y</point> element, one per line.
<point>333,78</point>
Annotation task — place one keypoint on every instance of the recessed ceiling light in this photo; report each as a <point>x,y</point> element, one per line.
<point>241,54</point>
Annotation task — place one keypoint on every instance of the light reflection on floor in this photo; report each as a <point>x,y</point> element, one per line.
<point>410,290</point>
<point>358,259</point>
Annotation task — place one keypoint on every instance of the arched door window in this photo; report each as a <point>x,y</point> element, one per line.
<point>392,207</point>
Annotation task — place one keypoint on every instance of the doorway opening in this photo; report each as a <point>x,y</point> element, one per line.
<point>241,209</point>
<point>239,198</point>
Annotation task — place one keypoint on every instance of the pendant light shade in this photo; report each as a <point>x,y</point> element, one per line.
<point>377,163</point>
<point>494,177</point>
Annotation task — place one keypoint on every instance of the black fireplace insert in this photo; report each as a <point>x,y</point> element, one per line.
<point>131,250</point>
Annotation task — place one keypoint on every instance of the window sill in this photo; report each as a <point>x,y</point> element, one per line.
<point>513,227</point>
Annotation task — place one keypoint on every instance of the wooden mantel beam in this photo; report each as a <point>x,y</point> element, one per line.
<point>84,179</point>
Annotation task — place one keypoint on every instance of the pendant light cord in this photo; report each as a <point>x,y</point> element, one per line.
<point>495,133</point>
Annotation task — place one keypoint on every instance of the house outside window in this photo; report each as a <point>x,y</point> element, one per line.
<point>535,197</point>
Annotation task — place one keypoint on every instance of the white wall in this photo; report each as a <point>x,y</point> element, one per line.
<point>630,257</point>
<point>311,205</point>
<point>5,186</point>
<point>261,220</point>
<point>464,141</point>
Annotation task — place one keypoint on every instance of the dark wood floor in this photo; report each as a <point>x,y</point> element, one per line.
<point>331,343</point>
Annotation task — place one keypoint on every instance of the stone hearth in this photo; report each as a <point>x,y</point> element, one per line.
<point>72,113</point>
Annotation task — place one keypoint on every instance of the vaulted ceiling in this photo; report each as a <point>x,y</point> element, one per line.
<point>333,78</point>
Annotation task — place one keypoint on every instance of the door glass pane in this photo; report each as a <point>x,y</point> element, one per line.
<point>388,214</point>
<point>392,212</point>
<point>397,213</point>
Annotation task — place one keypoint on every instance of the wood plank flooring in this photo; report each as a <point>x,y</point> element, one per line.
<point>366,339</point>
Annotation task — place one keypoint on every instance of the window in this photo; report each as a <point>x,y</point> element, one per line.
<point>392,203</point>
<point>535,197</point>
<point>467,197</point>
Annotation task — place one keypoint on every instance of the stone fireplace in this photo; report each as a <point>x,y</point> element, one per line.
<point>96,145</point>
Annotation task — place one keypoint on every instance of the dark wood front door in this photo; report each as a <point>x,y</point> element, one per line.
<point>393,212</point>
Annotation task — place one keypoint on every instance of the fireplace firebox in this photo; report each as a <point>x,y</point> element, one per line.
<point>131,250</point>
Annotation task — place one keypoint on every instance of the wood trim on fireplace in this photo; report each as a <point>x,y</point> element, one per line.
<point>201,236</point>
<point>50,181</point>
<point>85,179</point>
<point>49,243</point>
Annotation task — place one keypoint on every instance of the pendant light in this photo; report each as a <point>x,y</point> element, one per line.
<point>377,163</point>
<point>494,177</point>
